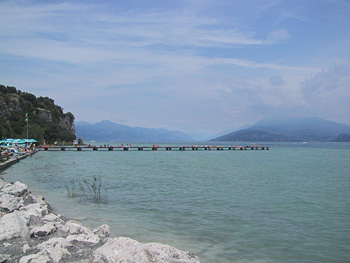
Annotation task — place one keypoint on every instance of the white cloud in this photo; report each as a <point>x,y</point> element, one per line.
<point>328,93</point>
<point>201,64</point>
<point>278,35</point>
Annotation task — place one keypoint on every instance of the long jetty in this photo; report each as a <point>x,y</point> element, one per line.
<point>152,148</point>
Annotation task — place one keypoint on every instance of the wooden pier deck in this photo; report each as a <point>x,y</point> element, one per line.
<point>152,148</point>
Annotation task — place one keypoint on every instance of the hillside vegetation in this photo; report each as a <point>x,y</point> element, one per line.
<point>46,121</point>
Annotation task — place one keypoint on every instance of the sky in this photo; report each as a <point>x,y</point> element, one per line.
<point>199,66</point>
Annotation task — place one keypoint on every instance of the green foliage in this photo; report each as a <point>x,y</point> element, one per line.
<point>44,117</point>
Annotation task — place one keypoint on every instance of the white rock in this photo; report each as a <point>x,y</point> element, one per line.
<point>10,202</point>
<point>25,248</point>
<point>124,249</point>
<point>2,183</point>
<point>16,188</point>
<point>52,218</point>
<point>103,230</point>
<point>7,244</point>
<point>165,253</point>
<point>55,248</point>
<point>44,230</point>
<point>35,210</point>
<point>37,199</point>
<point>74,228</point>
<point>93,239</point>
<point>118,250</point>
<point>13,225</point>
<point>35,258</point>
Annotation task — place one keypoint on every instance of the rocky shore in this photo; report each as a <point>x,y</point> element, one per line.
<point>30,231</point>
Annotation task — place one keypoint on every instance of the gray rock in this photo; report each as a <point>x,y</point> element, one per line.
<point>103,230</point>
<point>124,249</point>
<point>82,238</point>
<point>13,225</point>
<point>10,203</point>
<point>37,199</point>
<point>35,258</point>
<point>44,230</point>
<point>165,253</point>
<point>52,218</point>
<point>56,248</point>
<point>74,228</point>
<point>34,210</point>
<point>3,259</point>
<point>25,248</point>
<point>17,189</point>
<point>2,182</point>
<point>53,250</point>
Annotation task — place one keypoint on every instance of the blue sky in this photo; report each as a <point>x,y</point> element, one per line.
<point>199,66</point>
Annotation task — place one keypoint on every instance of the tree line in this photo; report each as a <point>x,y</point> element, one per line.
<point>44,117</point>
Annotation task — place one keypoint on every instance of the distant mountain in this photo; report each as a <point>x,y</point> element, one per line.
<point>107,131</point>
<point>342,138</point>
<point>288,129</point>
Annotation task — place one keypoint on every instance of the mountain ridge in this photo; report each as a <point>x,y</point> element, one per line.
<point>107,130</point>
<point>288,130</point>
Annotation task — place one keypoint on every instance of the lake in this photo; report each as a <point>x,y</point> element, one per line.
<point>288,204</point>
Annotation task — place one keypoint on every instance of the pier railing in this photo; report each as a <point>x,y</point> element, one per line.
<point>152,148</point>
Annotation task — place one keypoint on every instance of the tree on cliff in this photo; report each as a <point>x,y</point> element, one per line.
<point>46,121</point>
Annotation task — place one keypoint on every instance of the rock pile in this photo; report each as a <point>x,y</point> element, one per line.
<point>31,232</point>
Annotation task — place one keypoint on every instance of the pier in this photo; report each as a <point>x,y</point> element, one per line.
<point>152,148</point>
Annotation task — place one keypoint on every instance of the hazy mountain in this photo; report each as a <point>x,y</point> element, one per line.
<point>342,138</point>
<point>302,126</point>
<point>107,131</point>
<point>288,129</point>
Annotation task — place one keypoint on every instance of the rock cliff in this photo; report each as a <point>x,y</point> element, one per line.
<point>46,121</point>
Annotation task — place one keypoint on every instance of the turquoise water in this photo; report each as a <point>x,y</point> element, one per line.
<point>288,204</point>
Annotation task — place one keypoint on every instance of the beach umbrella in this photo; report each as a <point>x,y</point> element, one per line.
<point>19,141</point>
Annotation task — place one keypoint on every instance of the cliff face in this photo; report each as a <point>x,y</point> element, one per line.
<point>46,121</point>
<point>8,105</point>
<point>64,121</point>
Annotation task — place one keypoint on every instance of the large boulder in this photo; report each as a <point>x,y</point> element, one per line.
<point>17,189</point>
<point>13,225</point>
<point>10,203</point>
<point>123,249</point>
<point>103,230</point>
<point>83,238</point>
<point>34,211</point>
<point>53,250</point>
<point>44,230</point>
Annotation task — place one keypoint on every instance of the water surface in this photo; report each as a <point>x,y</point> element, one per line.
<point>288,204</point>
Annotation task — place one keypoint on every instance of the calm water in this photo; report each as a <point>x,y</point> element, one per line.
<point>289,204</point>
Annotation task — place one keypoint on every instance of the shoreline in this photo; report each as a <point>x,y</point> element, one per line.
<point>6,164</point>
<point>30,231</point>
